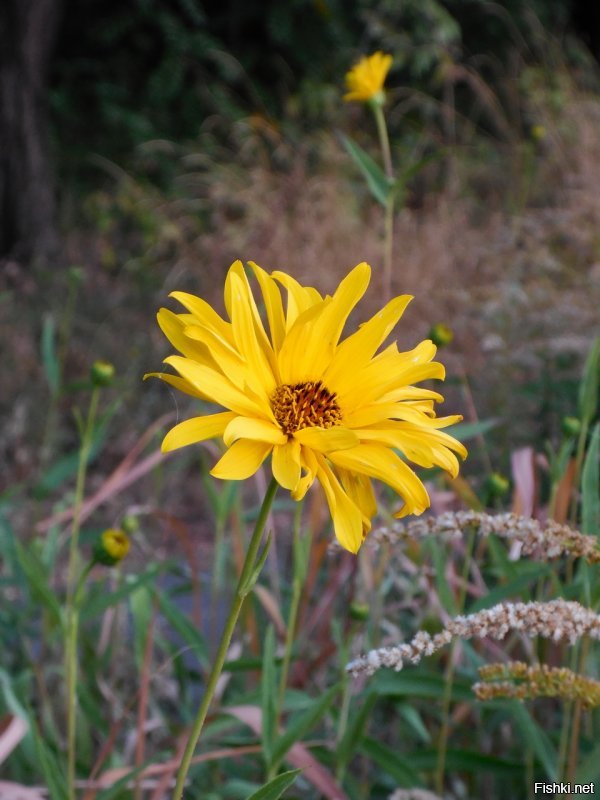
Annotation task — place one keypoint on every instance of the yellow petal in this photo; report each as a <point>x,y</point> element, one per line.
<point>311,342</point>
<point>378,412</point>
<point>360,490</point>
<point>195,430</point>
<point>174,328</point>
<point>347,517</point>
<point>219,389</point>
<point>273,305</point>
<point>417,447</point>
<point>358,349</point>
<point>381,463</point>
<point>310,464</point>
<point>226,358</point>
<point>237,271</point>
<point>411,393</point>
<point>259,373</point>
<point>286,464</point>
<point>204,314</point>
<point>178,383</point>
<point>387,371</point>
<point>326,439</point>
<point>241,460</point>
<point>251,428</point>
<point>299,298</point>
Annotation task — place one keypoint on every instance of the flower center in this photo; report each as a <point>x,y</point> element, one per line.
<point>305,405</point>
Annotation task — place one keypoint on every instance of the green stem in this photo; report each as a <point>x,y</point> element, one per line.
<point>73,592</point>
<point>449,677</point>
<point>290,633</point>
<point>388,252</point>
<point>236,606</point>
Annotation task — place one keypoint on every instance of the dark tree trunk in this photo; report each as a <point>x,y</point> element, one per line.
<point>27,202</point>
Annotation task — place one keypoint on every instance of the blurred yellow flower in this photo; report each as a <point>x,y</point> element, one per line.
<point>322,408</point>
<point>112,548</point>
<point>366,78</point>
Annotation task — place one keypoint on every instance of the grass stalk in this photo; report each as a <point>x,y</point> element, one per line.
<point>73,594</point>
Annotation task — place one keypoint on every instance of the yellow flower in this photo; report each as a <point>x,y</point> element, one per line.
<point>366,78</point>
<point>323,409</point>
<point>112,548</point>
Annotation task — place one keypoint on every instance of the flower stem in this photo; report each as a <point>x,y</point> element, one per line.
<point>73,594</point>
<point>449,677</point>
<point>243,587</point>
<point>297,583</point>
<point>388,252</point>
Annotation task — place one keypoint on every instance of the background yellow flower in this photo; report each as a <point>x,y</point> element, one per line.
<point>366,78</point>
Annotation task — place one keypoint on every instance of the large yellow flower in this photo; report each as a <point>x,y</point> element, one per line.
<point>366,78</point>
<point>322,409</point>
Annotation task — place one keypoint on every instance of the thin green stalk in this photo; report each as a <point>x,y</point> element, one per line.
<point>576,722</point>
<point>449,677</point>
<point>388,252</point>
<point>297,583</point>
<point>73,592</point>
<point>242,589</point>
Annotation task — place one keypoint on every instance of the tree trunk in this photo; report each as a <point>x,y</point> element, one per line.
<point>27,203</point>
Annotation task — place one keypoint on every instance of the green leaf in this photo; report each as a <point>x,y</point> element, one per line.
<point>418,683</point>
<point>276,787</point>
<point>349,742</point>
<point>510,589</point>
<point>247,587</point>
<point>468,430</point>
<point>536,737</point>
<point>589,768</point>
<point>140,603</point>
<point>377,182</point>
<point>53,776</point>
<point>99,604</point>
<point>303,723</point>
<point>181,623</point>
<point>37,581</point>
<point>440,560</point>
<point>50,361</point>
<point>268,690</point>
<point>390,761</point>
<point>466,761</point>
<point>588,388</point>
<point>590,486</point>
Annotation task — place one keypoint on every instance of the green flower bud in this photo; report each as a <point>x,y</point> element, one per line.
<point>112,547</point>
<point>102,373</point>
<point>497,484</point>
<point>538,133</point>
<point>359,611</point>
<point>571,426</point>
<point>130,523</point>
<point>441,334</point>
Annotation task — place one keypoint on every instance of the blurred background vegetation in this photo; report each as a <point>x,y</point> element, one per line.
<point>144,146</point>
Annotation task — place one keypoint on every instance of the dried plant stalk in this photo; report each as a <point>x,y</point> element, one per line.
<point>518,680</point>
<point>544,541</point>
<point>556,620</point>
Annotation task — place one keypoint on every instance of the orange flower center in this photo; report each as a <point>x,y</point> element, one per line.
<point>305,405</point>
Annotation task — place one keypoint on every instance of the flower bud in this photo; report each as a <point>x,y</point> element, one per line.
<point>571,426</point>
<point>102,373</point>
<point>130,524</point>
<point>538,133</point>
<point>497,484</point>
<point>359,611</point>
<point>441,334</point>
<point>112,547</point>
